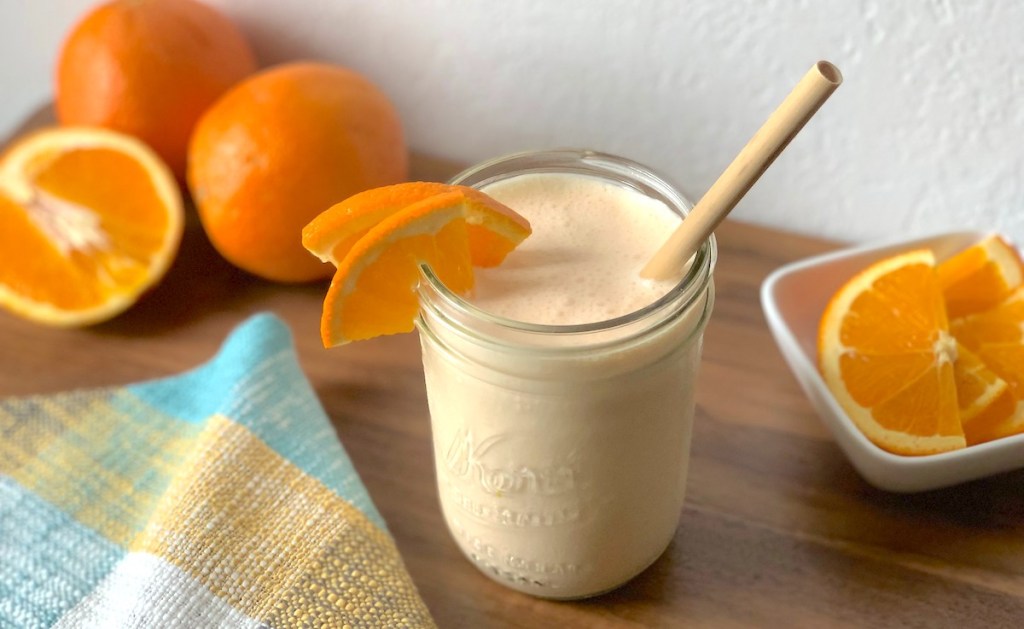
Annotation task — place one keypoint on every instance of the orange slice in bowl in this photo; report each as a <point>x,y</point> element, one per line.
<point>91,219</point>
<point>985,303</point>
<point>988,408</point>
<point>997,337</point>
<point>885,352</point>
<point>980,276</point>
<point>1003,418</point>
<point>977,386</point>
<point>999,325</point>
<point>379,246</point>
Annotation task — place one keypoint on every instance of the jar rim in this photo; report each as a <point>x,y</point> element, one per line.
<point>591,163</point>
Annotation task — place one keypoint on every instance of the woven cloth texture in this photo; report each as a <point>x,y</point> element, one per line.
<point>220,497</point>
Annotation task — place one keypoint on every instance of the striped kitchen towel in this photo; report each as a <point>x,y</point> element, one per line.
<point>220,497</point>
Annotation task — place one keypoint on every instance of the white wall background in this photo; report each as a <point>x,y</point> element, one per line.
<point>926,133</point>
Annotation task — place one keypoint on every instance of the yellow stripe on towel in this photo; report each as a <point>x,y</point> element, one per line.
<point>274,542</point>
<point>104,459</point>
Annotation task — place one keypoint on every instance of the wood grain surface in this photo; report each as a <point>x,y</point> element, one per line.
<point>778,529</point>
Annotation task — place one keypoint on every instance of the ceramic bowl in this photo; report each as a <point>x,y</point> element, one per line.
<point>794,298</point>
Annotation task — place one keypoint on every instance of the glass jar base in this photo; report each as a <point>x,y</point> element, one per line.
<point>527,585</point>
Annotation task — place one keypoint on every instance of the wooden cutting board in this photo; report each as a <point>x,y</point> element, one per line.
<point>778,528</point>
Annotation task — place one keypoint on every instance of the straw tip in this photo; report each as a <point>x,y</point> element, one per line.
<point>829,71</point>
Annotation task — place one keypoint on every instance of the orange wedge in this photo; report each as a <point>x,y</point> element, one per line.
<point>977,386</point>
<point>988,408</point>
<point>1003,418</point>
<point>380,238</point>
<point>886,354</point>
<point>980,276</point>
<point>91,219</point>
<point>332,233</point>
<point>1001,324</point>
<point>997,337</point>
<point>494,229</point>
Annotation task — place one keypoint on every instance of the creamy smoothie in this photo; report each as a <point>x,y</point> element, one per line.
<point>561,441</point>
<point>582,264</point>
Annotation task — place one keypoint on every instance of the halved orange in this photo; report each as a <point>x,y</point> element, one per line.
<point>885,352</point>
<point>382,243</point>
<point>980,276</point>
<point>91,219</point>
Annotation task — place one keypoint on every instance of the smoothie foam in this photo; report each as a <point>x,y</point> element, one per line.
<point>582,263</point>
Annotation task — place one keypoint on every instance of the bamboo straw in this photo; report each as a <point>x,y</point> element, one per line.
<point>755,158</point>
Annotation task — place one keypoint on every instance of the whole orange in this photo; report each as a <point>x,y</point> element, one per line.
<point>149,68</point>
<point>281,147</point>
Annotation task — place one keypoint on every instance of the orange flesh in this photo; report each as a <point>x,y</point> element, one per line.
<point>129,222</point>
<point>1002,324</point>
<point>884,339</point>
<point>493,229</point>
<point>891,318</point>
<point>379,239</point>
<point>893,365</point>
<point>1003,418</point>
<point>927,406</point>
<point>1007,362</point>
<point>385,269</point>
<point>340,227</point>
<point>976,384</point>
<point>979,277</point>
<point>993,418</point>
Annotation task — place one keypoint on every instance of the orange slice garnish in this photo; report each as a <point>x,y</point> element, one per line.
<point>332,233</point>
<point>91,219</point>
<point>380,238</point>
<point>494,229</point>
<point>887,356</point>
<point>980,276</point>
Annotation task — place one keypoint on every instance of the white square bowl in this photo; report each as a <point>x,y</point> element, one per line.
<point>794,298</point>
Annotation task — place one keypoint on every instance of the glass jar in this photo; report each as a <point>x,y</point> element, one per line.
<point>561,452</point>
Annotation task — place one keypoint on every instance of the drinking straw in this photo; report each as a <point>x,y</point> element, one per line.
<point>748,166</point>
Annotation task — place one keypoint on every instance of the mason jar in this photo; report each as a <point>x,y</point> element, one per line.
<point>561,451</point>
